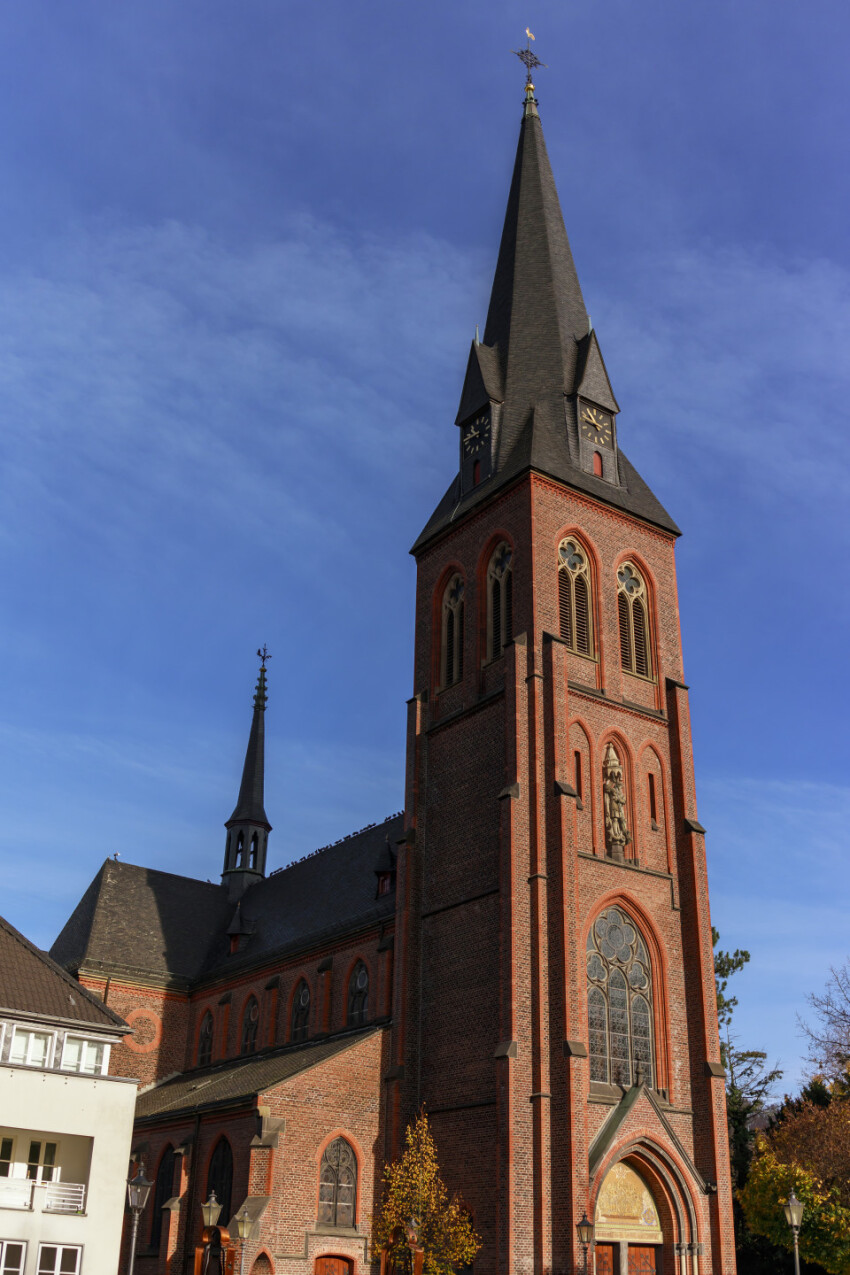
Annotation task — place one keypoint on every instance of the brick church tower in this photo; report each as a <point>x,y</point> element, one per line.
<point>555,1005</point>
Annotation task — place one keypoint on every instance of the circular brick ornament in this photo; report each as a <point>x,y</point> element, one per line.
<point>147,1030</point>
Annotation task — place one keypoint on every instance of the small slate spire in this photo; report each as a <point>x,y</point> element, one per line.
<point>248,827</point>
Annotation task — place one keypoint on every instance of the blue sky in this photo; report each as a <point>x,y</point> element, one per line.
<point>243,248</point>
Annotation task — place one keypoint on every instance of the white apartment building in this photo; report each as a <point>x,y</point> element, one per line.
<point>65,1124</point>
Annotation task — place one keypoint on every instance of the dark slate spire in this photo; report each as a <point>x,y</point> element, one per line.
<point>250,806</point>
<point>248,827</point>
<point>539,364</point>
<point>537,314</point>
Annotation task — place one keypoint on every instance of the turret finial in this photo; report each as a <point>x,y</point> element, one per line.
<point>260,695</point>
<point>530,60</point>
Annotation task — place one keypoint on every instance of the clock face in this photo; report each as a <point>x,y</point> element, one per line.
<point>476,434</point>
<point>597,425</point>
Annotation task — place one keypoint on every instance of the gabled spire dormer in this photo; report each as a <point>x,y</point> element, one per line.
<point>248,827</point>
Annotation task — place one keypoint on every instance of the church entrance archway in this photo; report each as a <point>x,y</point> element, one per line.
<point>334,1266</point>
<point>628,1229</point>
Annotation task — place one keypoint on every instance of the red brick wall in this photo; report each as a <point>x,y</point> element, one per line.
<point>516,960</point>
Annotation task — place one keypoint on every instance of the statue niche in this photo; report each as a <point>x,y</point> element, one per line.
<point>617,835</point>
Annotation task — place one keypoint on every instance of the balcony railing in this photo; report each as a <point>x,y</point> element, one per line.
<point>46,1197</point>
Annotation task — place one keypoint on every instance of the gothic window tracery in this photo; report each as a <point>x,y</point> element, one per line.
<point>250,1026</point>
<point>619,1001</point>
<point>358,995</point>
<point>300,1012</point>
<point>574,596</point>
<point>205,1040</point>
<point>633,614</point>
<point>451,661</point>
<point>500,601</point>
<point>338,1184</point>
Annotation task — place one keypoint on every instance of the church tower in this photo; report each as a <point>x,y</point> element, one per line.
<point>248,827</point>
<point>555,1006</point>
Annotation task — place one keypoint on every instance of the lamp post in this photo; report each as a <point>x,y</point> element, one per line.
<point>585,1235</point>
<point>794,1216</point>
<point>138,1190</point>
<point>211,1210</point>
<point>243,1226</point>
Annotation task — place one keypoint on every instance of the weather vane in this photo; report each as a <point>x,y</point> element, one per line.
<point>264,655</point>
<point>528,57</point>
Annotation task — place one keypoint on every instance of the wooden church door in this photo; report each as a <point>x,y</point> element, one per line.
<point>641,1259</point>
<point>604,1256</point>
<point>333,1266</point>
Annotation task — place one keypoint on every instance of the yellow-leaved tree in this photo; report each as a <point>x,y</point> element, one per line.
<point>413,1188</point>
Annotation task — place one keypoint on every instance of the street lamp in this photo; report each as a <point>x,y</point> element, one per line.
<point>138,1190</point>
<point>211,1210</point>
<point>243,1226</point>
<point>794,1217</point>
<point>585,1235</point>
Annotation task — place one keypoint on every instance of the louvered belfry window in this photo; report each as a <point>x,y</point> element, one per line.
<point>451,664</point>
<point>338,1185</point>
<point>300,1012</point>
<point>634,621</point>
<point>574,597</point>
<point>500,601</point>
<point>619,1001</point>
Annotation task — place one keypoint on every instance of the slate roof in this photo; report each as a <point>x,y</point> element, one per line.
<point>32,983</point>
<point>174,929</point>
<point>538,333</point>
<point>141,920</point>
<point>241,1078</point>
<point>327,893</point>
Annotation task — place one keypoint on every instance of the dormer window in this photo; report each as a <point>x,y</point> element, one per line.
<point>385,883</point>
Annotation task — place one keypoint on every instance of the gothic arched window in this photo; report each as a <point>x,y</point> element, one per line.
<point>220,1177</point>
<point>163,1193</point>
<point>500,601</point>
<point>619,1001</point>
<point>250,1025</point>
<point>451,655</point>
<point>205,1040</point>
<point>574,596</point>
<point>634,621</point>
<point>338,1184</point>
<point>300,1012</point>
<point>358,995</point>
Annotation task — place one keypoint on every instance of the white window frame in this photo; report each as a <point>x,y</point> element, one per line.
<point>86,1040</point>
<point>2,1043</point>
<point>11,1160</point>
<point>34,1031</point>
<point>4,1270</point>
<point>60,1249</point>
<point>55,1167</point>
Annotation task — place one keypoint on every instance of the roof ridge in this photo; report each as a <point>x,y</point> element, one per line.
<point>110,861</point>
<point>312,854</point>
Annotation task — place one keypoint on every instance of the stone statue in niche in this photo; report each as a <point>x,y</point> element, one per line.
<point>617,833</point>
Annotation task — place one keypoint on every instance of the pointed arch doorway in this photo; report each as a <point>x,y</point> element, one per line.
<point>628,1230</point>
